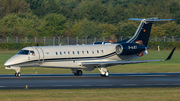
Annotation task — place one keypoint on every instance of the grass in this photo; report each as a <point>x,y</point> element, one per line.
<point>123,94</point>
<point>167,66</point>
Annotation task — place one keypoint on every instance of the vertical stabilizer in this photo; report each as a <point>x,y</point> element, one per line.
<point>144,29</point>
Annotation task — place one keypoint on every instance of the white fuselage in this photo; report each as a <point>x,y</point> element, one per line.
<point>70,56</point>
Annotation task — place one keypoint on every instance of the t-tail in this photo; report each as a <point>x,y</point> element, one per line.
<point>143,32</point>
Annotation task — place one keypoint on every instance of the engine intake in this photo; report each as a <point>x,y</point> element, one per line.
<point>129,48</point>
<point>119,49</point>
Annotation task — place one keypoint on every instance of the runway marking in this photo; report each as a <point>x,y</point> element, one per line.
<point>2,86</point>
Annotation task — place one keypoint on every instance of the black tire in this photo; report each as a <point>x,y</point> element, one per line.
<point>102,75</point>
<point>16,74</point>
<point>75,74</point>
<point>79,72</point>
<point>19,74</point>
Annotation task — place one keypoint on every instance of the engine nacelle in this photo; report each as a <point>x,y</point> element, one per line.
<point>129,48</point>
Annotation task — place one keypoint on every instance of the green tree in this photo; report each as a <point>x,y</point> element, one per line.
<point>13,6</point>
<point>92,10</point>
<point>19,25</point>
<point>175,10</point>
<point>126,28</point>
<point>116,14</point>
<point>158,31</point>
<point>67,8</point>
<point>54,25</point>
<point>109,30</point>
<point>85,28</point>
<point>171,29</point>
<point>38,7</point>
<point>158,8</point>
<point>98,17</point>
<point>43,7</point>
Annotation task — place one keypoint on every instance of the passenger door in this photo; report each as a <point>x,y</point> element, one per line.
<point>40,54</point>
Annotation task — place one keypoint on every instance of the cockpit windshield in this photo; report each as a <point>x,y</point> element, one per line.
<point>23,52</point>
<point>32,53</point>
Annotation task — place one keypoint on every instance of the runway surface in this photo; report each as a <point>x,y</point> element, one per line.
<point>69,81</point>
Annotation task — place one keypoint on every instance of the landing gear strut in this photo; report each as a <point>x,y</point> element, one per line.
<point>103,71</point>
<point>77,72</point>
<point>17,69</point>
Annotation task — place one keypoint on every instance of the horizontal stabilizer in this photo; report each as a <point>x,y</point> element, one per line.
<point>136,19</point>
<point>151,19</point>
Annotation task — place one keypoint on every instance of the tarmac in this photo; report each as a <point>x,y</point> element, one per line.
<point>88,81</point>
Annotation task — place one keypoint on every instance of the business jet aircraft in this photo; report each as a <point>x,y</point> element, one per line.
<point>88,57</point>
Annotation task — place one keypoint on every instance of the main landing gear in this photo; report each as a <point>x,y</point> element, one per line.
<point>103,71</point>
<point>77,72</point>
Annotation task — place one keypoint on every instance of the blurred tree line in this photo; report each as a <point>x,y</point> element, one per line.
<point>85,18</point>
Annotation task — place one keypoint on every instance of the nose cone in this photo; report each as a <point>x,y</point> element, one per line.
<point>6,63</point>
<point>10,61</point>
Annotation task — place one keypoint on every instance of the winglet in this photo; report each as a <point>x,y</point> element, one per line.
<point>170,55</point>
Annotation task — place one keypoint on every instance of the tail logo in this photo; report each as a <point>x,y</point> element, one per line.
<point>140,43</point>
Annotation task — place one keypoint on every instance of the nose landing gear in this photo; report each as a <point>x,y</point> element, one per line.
<point>18,74</point>
<point>17,69</point>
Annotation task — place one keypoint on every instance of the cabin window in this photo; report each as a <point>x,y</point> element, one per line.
<point>73,52</point>
<point>56,53</point>
<point>97,51</point>
<point>60,53</point>
<point>87,52</point>
<point>32,53</point>
<point>68,52</point>
<point>77,52</point>
<point>23,52</point>
<point>92,51</point>
<point>83,52</point>
<point>64,52</point>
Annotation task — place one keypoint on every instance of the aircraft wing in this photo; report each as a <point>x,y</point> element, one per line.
<point>125,62</point>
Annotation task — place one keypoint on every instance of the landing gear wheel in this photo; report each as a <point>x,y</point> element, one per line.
<point>103,70</point>
<point>78,73</point>
<point>105,75</point>
<point>17,74</point>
